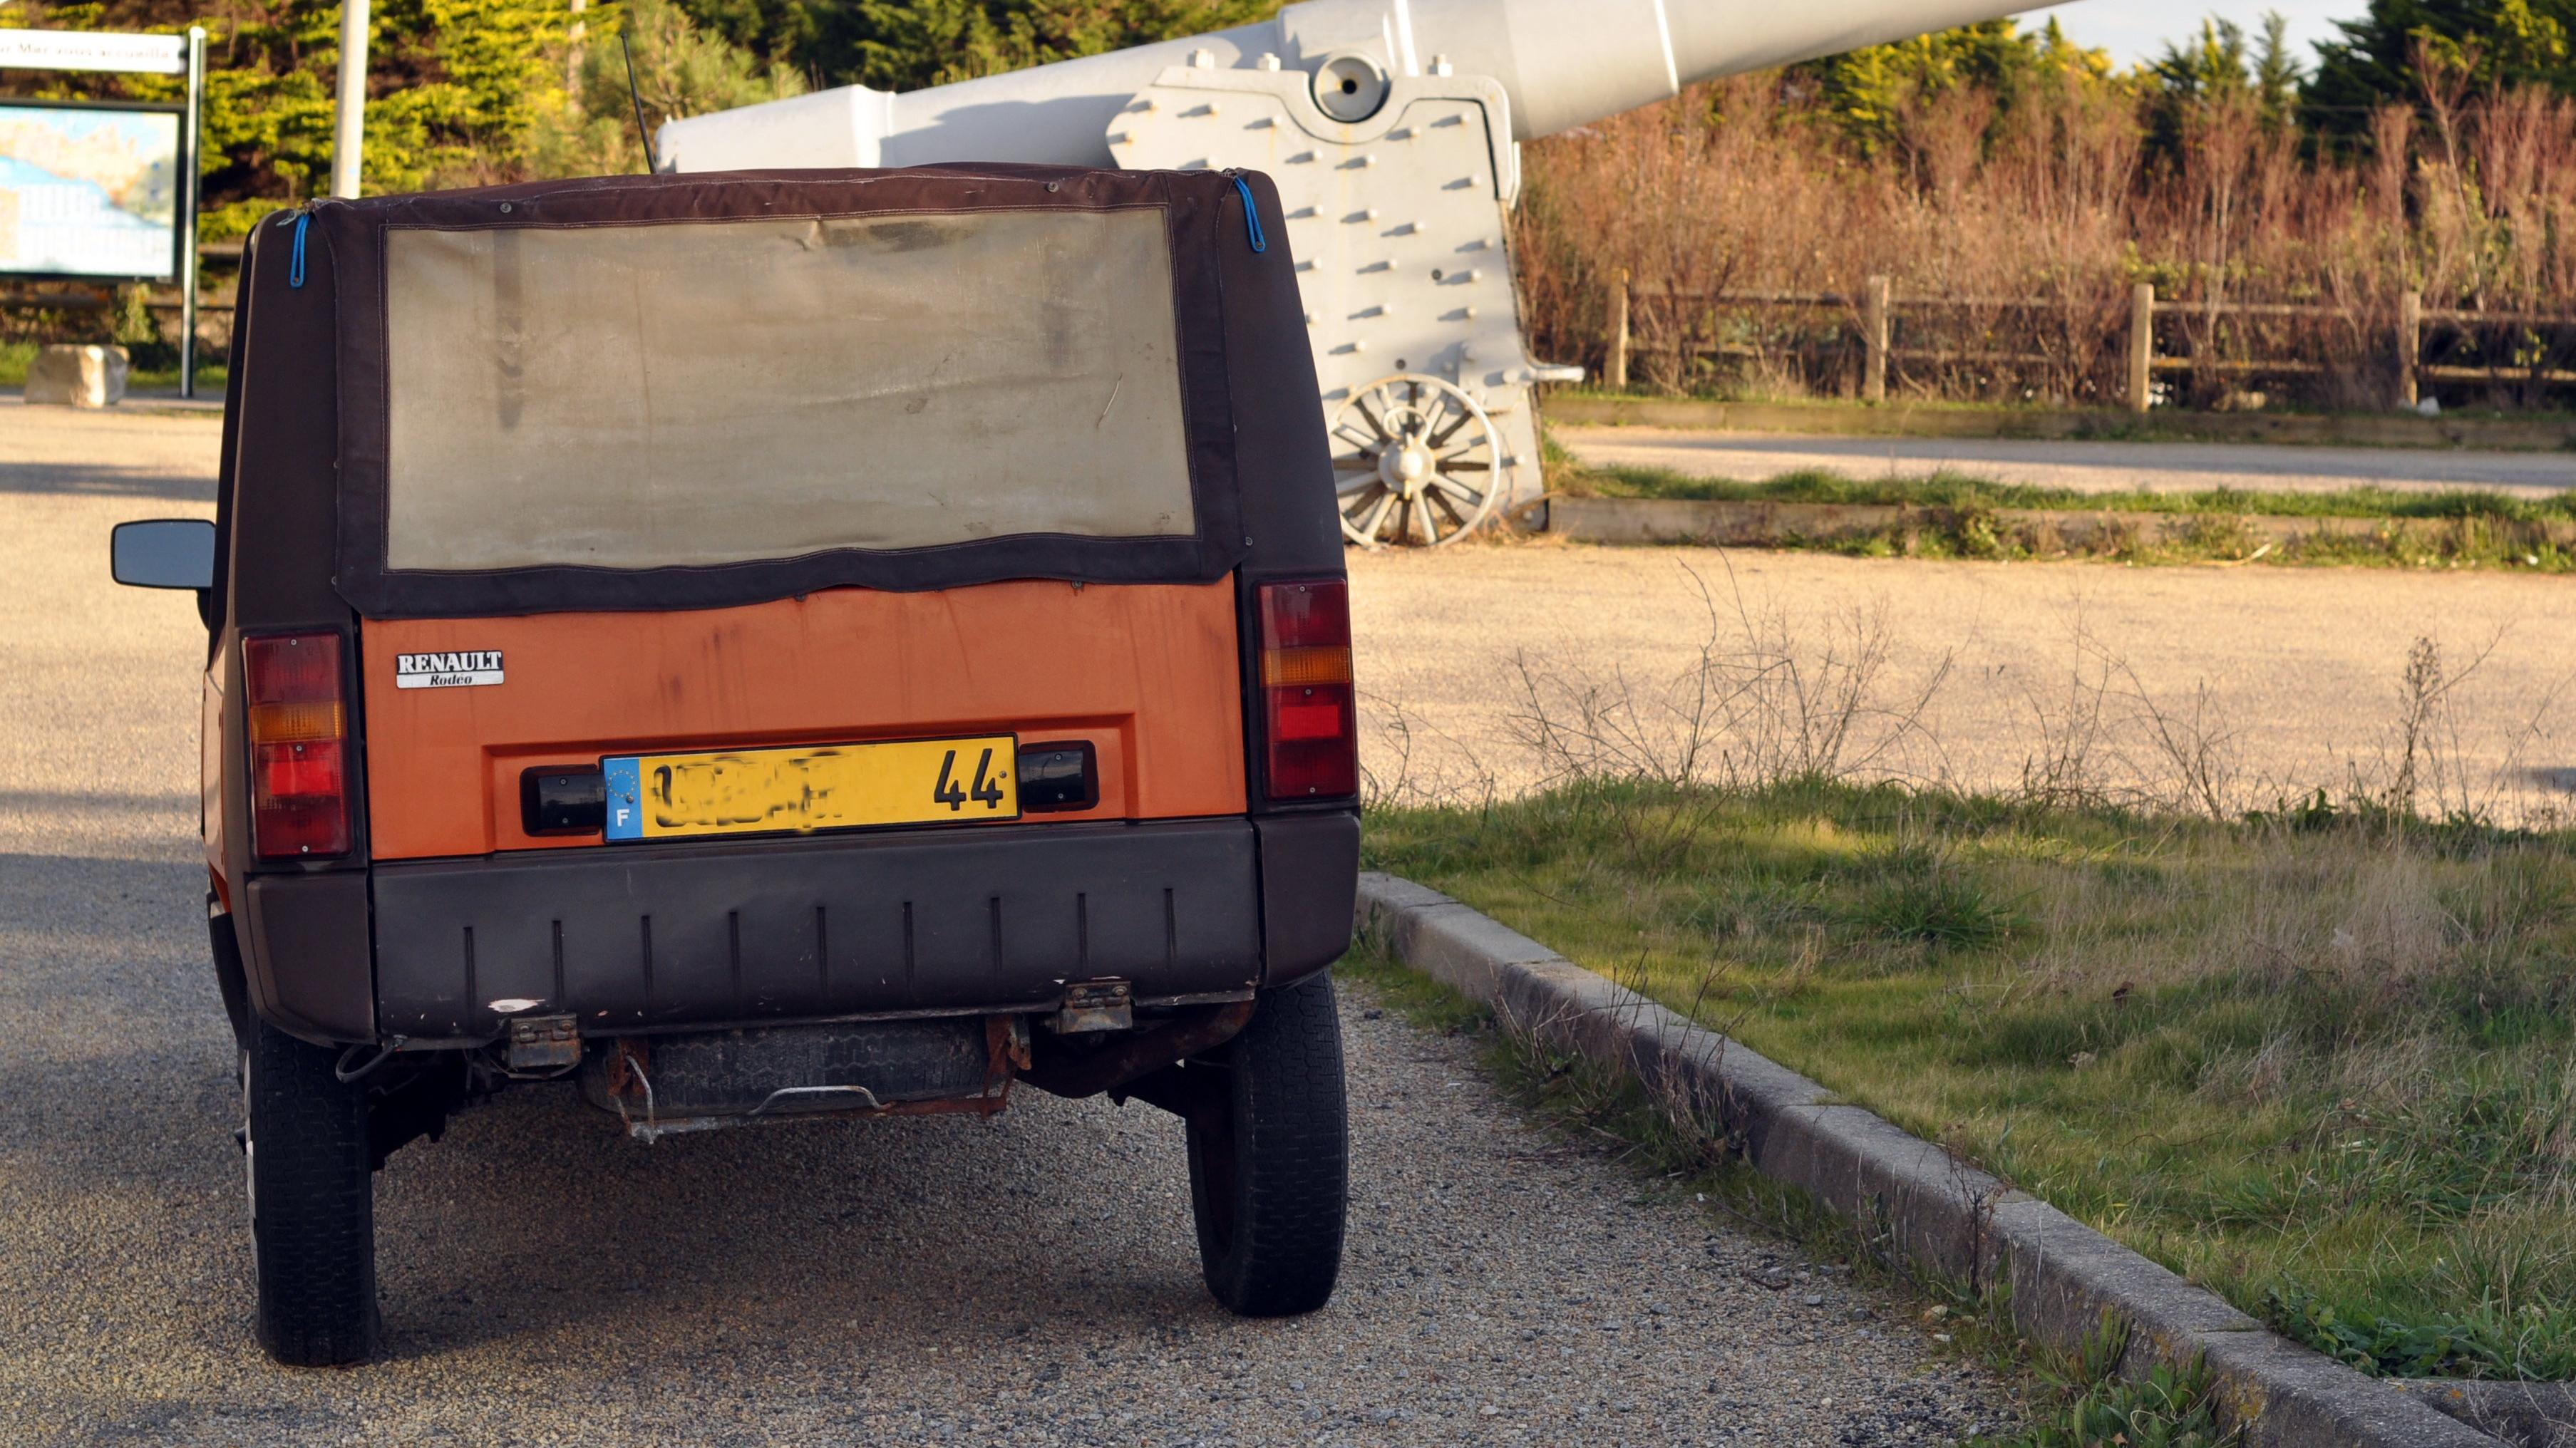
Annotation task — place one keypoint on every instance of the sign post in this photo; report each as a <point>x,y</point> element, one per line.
<point>92,170</point>
<point>188,216</point>
<point>349,116</point>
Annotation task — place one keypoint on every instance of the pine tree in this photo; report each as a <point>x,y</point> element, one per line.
<point>2378,59</point>
<point>1867,90</point>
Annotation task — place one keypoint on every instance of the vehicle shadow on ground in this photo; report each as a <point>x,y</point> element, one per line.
<point>101,480</point>
<point>537,1214</point>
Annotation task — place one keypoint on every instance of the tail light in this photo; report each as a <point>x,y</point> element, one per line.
<point>1311,727</point>
<point>299,739</point>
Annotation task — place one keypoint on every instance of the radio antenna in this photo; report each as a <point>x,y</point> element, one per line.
<point>636,94</point>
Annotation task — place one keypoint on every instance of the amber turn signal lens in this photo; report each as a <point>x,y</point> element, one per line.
<point>296,723</point>
<point>1300,667</point>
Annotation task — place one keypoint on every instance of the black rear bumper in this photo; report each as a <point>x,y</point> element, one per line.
<point>675,937</point>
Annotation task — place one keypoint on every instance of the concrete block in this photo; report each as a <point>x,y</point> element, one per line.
<point>2285,1396</point>
<point>1910,1198</point>
<point>1382,895</point>
<point>2064,1277</point>
<point>64,375</point>
<point>2526,1415</point>
<point>1452,932</point>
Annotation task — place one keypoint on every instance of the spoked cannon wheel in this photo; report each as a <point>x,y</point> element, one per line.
<point>1415,463</point>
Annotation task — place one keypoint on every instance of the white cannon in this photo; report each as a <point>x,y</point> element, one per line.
<point>1392,128</point>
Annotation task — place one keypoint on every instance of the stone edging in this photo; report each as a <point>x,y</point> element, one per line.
<point>1906,1193</point>
<point>1762,523</point>
<point>1905,419</point>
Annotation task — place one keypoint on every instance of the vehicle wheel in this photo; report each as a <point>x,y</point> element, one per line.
<point>1270,1158</point>
<point>312,1202</point>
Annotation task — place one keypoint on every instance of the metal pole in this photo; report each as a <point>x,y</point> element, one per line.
<point>349,121</point>
<point>188,217</point>
<point>1873,373</point>
<point>2142,342</point>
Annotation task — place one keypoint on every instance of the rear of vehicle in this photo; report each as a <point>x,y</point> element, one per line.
<point>764,645</point>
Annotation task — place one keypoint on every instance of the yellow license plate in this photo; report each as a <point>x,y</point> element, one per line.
<point>816,787</point>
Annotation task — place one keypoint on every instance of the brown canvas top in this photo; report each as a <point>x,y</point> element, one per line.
<point>695,391</point>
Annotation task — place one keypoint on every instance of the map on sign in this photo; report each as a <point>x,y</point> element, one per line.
<point>88,192</point>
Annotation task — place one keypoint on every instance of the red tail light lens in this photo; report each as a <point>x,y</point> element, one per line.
<point>299,738</point>
<point>1311,727</point>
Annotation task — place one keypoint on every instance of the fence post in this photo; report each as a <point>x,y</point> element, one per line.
<point>2142,342</point>
<point>1618,369</point>
<point>1873,322</point>
<point>2410,332</point>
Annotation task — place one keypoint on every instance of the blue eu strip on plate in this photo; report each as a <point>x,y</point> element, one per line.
<point>625,798</point>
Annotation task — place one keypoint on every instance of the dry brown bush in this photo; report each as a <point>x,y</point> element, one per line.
<point>1739,185</point>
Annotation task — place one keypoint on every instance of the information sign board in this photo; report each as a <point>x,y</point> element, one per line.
<point>91,190</point>
<point>93,50</point>
<point>105,190</point>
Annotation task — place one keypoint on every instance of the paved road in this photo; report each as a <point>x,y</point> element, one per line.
<point>2093,467</point>
<point>1027,1280</point>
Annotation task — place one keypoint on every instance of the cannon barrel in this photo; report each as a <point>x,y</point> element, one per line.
<point>1561,64</point>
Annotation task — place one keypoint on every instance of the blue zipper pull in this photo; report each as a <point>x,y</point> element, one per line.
<point>295,268</point>
<point>1251,214</point>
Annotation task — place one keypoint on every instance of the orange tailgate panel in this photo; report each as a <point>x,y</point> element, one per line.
<point>1147,672</point>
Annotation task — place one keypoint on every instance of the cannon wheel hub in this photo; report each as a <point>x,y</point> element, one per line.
<point>1413,463</point>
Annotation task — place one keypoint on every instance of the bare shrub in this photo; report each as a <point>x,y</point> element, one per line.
<point>2195,753</point>
<point>1746,184</point>
<point>2072,732</point>
<point>1407,763</point>
<point>2427,754</point>
<point>2106,738</point>
<point>1769,697</point>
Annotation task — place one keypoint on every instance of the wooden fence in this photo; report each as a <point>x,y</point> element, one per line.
<point>1878,308</point>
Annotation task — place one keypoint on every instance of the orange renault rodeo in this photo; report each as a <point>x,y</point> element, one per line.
<point>761,646</point>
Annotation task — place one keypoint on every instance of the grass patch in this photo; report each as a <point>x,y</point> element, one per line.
<point>2094,1407</point>
<point>1960,516</point>
<point>2319,1061</point>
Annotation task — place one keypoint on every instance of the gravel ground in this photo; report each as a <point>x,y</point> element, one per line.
<point>2290,675</point>
<point>1026,1280</point>
<point>2093,467</point>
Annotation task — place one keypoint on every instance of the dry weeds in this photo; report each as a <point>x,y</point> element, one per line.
<point>1741,185</point>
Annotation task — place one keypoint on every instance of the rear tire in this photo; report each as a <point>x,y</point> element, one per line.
<point>312,1202</point>
<point>1270,1158</point>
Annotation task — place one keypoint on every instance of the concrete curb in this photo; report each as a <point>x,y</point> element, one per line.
<point>2045,532</point>
<point>1905,419</point>
<point>2528,1415</point>
<point>1907,1195</point>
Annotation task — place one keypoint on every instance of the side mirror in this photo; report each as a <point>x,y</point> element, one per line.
<point>163,553</point>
